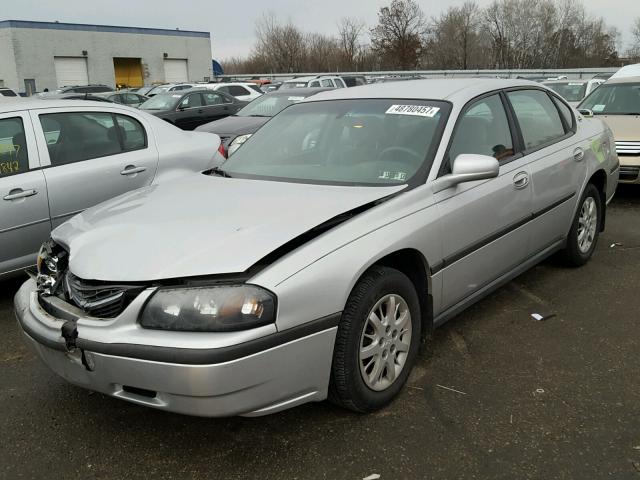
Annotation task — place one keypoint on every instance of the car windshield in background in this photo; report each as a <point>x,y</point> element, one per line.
<point>614,99</point>
<point>268,105</point>
<point>570,91</point>
<point>344,142</point>
<point>287,85</point>
<point>164,101</point>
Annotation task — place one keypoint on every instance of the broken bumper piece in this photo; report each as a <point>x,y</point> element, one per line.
<point>256,377</point>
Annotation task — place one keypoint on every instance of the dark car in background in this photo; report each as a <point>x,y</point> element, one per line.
<point>188,109</point>
<point>98,88</point>
<point>124,98</point>
<point>236,129</point>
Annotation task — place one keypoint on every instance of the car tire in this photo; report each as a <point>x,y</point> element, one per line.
<point>395,338</point>
<point>585,229</point>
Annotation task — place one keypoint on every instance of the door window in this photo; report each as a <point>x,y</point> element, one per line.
<point>191,101</point>
<point>237,90</point>
<point>339,83</point>
<point>327,83</point>
<point>537,116</point>
<point>566,113</point>
<point>483,129</point>
<point>78,136</point>
<point>213,98</point>
<point>14,157</point>
<point>133,134</point>
<point>315,83</point>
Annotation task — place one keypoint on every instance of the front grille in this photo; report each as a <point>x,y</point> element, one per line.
<point>628,148</point>
<point>99,299</point>
<point>629,173</point>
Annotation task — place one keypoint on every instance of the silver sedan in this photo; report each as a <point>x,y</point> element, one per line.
<point>315,260</point>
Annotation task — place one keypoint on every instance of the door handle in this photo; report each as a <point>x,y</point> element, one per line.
<point>578,154</point>
<point>521,180</point>
<point>18,193</point>
<point>132,170</point>
<point>200,111</point>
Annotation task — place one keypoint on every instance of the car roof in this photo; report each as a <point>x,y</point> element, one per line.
<point>309,78</point>
<point>30,103</point>
<point>580,80</point>
<point>632,70</point>
<point>244,84</point>
<point>302,92</point>
<point>634,79</point>
<point>454,89</point>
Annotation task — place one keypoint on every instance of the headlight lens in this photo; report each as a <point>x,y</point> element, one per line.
<point>209,309</point>
<point>51,262</point>
<point>237,143</point>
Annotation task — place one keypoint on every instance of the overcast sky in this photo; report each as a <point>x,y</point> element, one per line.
<point>232,22</point>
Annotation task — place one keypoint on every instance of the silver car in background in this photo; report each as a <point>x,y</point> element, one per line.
<point>315,260</point>
<point>59,157</point>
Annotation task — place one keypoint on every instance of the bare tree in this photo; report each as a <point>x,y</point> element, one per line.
<point>282,46</point>
<point>349,32</point>
<point>399,36</point>
<point>634,51</point>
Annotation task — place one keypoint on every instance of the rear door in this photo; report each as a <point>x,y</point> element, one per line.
<point>484,223</point>
<point>217,106</point>
<point>556,159</point>
<point>92,156</point>
<point>190,112</point>
<point>24,210</point>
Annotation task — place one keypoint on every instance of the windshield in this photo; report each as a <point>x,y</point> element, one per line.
<point>164,101</point>
<point>352,142</point>
<point>159,90</point>
<point>614,99</point>
<point>570,91</point>
<point>268,105</point>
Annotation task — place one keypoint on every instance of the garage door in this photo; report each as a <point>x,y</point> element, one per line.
<point>71,71</point>
<point>175,70</point>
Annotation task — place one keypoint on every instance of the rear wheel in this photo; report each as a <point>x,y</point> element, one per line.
<point>377,341</point>
<point>583,236</point>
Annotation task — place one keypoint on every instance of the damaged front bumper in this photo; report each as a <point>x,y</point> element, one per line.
<point>251,373</point>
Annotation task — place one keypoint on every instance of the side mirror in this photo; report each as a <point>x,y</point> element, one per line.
<point>468,168</point>
<point>585,112</point>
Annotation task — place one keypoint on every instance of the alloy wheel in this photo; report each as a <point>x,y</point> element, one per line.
<point>587,224</point>
<point>385,342</point>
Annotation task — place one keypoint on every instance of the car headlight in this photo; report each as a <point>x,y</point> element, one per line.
<point>51,262</point>
<point>223,308</point>
<point>237,143</point>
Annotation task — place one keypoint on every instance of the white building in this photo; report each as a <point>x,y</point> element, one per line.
<point>39,55</point>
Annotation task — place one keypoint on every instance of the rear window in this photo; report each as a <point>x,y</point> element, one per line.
<point>8,93</point>
<point>570,91</point>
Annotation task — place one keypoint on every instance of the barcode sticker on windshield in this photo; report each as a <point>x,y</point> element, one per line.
<point>598,108</point>
<point>417,110</point>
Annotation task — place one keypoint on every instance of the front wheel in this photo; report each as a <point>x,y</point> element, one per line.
<point>377,341</point>
<point>583,236</point>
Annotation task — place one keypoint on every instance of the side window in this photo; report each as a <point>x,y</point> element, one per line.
<point>326,83</point>
<point>78,136</point>
<point>133,134</point>
<point>339,83</point>
<point>483,129</point>
<point>538,117</point>
<point>315,83</point>
<point>14,157</point>
<point>237,90</point>
<point>191,101</point>
<point>224,89</point>
<point>566,113</point>
<point>212,98</point>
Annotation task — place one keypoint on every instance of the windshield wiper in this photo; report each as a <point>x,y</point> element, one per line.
<point>220,172</point>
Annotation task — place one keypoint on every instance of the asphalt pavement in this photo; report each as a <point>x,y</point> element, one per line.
<point>495,395</point>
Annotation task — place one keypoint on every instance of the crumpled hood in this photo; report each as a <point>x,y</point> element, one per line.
<point>234,125</point>
<point>200,225</point>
